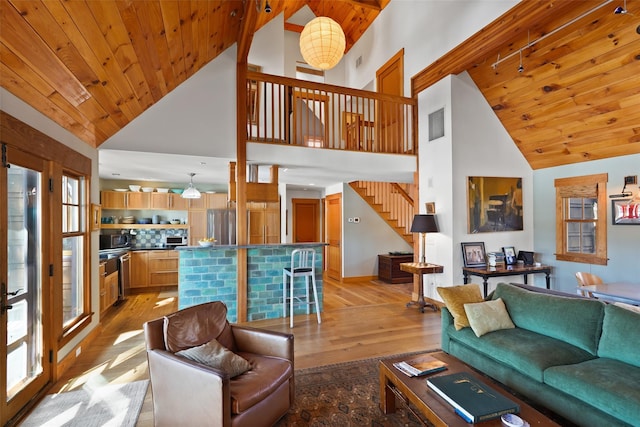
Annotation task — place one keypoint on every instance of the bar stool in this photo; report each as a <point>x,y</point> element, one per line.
<point>303,264</point>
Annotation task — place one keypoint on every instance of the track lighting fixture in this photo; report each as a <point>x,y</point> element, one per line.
<point>621,10</point>
<point>520,68</point>
<point>267,7</point>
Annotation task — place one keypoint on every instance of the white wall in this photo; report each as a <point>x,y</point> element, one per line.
<point>20,110</point>
<point>622,240</point>
<point>475,144</point>
<point>364,240</point>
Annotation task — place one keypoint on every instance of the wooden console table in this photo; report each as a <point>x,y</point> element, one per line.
<point>421,269</point>
<point>512,270</point>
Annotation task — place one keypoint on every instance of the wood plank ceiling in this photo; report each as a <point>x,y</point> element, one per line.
<point>93,66</point>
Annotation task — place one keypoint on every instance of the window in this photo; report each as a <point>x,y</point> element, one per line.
<point>581,219</point>
<point>75,283</point>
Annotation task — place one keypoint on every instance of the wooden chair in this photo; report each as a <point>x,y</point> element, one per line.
<point>586,279</point>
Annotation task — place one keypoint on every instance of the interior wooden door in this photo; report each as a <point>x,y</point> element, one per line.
<point>306,220</point>
<point>390,117</point>
<point>25,315</point>
<point>333,255</point>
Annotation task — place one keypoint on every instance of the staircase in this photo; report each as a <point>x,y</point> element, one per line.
<point>392,201</point>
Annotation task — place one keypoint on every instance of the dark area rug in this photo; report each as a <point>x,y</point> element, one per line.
<point>344,394</point>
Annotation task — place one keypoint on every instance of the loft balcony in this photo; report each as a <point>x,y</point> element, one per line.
<point>293,112</point>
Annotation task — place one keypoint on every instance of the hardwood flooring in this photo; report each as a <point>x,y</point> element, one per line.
<point>360,320</point>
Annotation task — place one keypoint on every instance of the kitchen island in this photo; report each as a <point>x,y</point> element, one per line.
<point>210,274</point>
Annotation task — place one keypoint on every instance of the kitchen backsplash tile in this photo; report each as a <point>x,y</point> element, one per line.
<point>153,238</point>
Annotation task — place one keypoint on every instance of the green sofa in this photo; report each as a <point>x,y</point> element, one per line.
<point>578,357</point>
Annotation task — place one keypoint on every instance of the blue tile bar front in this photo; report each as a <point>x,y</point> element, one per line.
<point>210,274</point>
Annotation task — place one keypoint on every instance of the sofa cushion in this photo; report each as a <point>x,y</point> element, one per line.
<point>576,321</point>
<point>527,352</point>
<point>455,297</point>
<point>607,384</point>
<point>217,356</point>
<point>266,375</point>
<point>197,325</point>
<point>620,335</point>
<point>488,316</point>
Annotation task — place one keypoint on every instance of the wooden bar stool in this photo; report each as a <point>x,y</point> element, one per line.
<point>303,264</point>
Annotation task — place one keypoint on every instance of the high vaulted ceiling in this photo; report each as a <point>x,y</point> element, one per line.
<point>93,66</point>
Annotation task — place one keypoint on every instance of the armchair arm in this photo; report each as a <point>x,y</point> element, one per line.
<point>186,392</point>
<point>260,341</point>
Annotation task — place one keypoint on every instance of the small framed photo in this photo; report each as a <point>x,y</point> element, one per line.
<point>473,254</point>
<point>431,208</point>
<point>509,255</point>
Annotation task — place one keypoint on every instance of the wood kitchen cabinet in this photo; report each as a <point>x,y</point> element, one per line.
<point>108,288</point>
<point>125,200</point>
<point>264,222</point>
<point>209,201</point>
<point>169,201</point>
<point>139,269</point>
<point>197,226</point>
<point>154,268</point>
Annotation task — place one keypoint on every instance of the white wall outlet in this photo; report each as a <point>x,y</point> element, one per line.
<point>78,351</point>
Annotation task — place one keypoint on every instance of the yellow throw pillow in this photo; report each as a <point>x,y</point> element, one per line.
<point>455,297</point>
<point>488,316</point>
<point>217,356</point>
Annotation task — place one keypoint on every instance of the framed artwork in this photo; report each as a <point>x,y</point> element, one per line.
<point>96,212</point>
<point>431,208</point>
<point>473,254</point>
<point>509,255</point>
<point>625,212</point>
<point>494,204</point>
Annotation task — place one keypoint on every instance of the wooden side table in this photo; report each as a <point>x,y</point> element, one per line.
<point>421,269</point>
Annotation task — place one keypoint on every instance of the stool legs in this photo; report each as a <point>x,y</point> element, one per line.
<point>287,284</point>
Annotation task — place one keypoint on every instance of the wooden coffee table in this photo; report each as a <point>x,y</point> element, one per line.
<point>433,407</point>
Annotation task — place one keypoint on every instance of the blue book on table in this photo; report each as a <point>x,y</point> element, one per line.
<point>472,399</point>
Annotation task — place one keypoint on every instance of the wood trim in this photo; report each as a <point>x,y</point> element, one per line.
<point>293,27</point>
<point>517,21</point>
<point>70,359</point>
<point>357,279</point>
<point>398,57</point>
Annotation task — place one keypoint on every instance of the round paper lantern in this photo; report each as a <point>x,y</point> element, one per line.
<point>322,43</point>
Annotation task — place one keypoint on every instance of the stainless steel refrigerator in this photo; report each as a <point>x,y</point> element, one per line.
<point>221,225</point>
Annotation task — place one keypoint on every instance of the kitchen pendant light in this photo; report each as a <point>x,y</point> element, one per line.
<point>191,192</point>
<point>322,43</point>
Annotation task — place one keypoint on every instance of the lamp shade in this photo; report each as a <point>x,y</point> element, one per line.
<point>424,224</point>
<point>322,43</point>
<point>191,192</point>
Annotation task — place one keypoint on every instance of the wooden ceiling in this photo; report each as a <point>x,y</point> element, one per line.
<point>94,66</point>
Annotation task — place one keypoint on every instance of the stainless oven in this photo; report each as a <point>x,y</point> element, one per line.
<point>173,241</point>
<point>115,241</point>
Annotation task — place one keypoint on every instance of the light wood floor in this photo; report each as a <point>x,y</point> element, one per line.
<point>360,320</point>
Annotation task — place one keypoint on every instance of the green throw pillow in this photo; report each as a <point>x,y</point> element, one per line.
<point>455,297</point>
<point>217,356</point>
<point>489,316</point>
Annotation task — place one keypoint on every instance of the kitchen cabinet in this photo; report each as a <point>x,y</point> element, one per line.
<point>154,268</point>
<point>108,290</point>
<point>197,226</point>
<point>125,200</point>
<point>169,201</point>
<point>264,222</point>
<point>139,269</point>
<point>209,201</point>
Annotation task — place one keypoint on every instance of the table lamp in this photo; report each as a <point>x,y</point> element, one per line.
<point>424,224</point>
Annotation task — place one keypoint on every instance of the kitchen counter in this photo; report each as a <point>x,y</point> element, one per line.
<point>209,273</point>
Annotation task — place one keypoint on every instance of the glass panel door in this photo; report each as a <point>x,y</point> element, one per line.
<point>22,305</point>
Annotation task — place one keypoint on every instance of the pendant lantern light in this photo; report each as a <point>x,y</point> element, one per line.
<point>191,192</point>
<point>322,43</point>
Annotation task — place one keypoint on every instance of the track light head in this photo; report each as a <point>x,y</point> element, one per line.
<point>620,10</point>
<point>267,7</point>
<point>520,68</point>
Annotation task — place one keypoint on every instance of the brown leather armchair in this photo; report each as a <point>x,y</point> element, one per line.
<point>190,393</point>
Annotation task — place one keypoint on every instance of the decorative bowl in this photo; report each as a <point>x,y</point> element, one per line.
<point>177,190</point>
<point>144,221</point>
<point>175,221</point>
<point>162,190</point>
<point>147,189</point>
<point>120,189</point>
<point>205,243</point>
<point>134,187</point>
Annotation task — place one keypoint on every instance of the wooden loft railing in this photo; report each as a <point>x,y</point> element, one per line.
<point>392,201</point>
<point>296,112</point>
